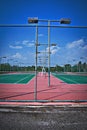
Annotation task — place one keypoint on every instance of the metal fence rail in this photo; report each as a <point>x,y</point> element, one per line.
<point>27,25</point>
<point>45,101</point>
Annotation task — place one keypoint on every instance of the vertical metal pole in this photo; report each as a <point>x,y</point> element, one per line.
<point>48,52</point>
<point>35,86</point>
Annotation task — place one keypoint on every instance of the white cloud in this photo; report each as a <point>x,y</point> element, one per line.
<point>74,44</point>
<point>15,47</point>
<point>33,41</point>
<point>19,45</point>
<point>74,50</point>
<point>40,35</point>
<point>85,47</point>
<point>17,55</point>
<point>53,49</point>
<point>27,43</point>
<point>17,42</point>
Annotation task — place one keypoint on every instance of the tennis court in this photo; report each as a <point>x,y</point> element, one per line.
<point>20,87</point>
<point>16,78</point>
<point>72,78</point>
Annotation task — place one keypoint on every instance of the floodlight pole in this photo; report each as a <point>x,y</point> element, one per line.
<point>35,20</point>
<point>35,85</point>
<point>48,52</point>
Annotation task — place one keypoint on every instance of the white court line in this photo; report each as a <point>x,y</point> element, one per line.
<point>30,80</point>
<point>18,80</point>
<point>67,79</point>
<point>59,79</point>
<point>21,79</point>
<point>71,80</point>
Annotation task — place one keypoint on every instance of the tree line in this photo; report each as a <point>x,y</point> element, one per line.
<point>79,67</point>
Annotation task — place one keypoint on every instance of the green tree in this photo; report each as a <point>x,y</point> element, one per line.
<point>79,66</point>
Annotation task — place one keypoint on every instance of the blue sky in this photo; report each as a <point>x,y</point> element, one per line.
<point>17,44</point>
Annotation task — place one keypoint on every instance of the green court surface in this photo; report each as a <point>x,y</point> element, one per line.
<point>72,79</point>
<point>16,78</point>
